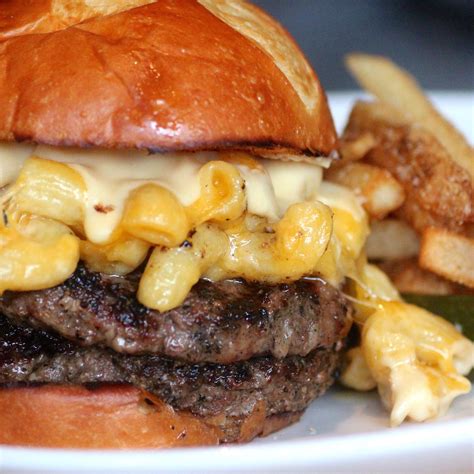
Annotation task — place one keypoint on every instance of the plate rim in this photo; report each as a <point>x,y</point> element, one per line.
<point>304,452</point>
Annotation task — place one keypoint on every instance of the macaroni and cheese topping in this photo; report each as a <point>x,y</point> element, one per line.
<point>216,215</point>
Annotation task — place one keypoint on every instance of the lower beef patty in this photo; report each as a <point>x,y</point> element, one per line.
<point>284,387</point>
<point>221,322</point>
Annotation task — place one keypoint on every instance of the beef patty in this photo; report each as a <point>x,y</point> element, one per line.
<point>226,393</point>
<point>221,322</point>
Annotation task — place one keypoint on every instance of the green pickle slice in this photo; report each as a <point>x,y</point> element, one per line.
<point>458,309</point>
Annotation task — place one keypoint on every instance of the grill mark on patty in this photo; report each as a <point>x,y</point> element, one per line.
<point>221,322</point>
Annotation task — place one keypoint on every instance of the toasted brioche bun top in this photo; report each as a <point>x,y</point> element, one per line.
<point>165,76</point>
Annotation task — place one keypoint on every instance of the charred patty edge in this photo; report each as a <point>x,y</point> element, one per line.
<point>220,322</point>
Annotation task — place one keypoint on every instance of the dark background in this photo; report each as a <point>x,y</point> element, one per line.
<point>432,39</point>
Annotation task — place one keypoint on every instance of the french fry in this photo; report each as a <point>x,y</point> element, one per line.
<point>394,86</point>
<point>356,148</point>
<point>439,192</point>
<point>420,218</point>
<point>448,254</point>
<point>380,191</point>
<point>391,239</point>
<point>366,115</point>
<point>408,277</point>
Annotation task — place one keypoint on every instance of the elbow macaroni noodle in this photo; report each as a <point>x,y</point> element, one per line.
<point>231,216</point>
<point>118,258</point>
<point>35,254</point>
<point>49,189</point>
<point>172,272</point>
<point>154,215</point>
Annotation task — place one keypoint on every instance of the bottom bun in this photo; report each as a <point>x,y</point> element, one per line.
<point>113,416</point>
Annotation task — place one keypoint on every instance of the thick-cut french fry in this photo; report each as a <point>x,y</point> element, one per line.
<point>408,277</point>
<point>365,115</point>
<point>380,191</point>
<point>396,87</point>
<point>391,239</point>
<point>438,191</point>
<point>448,254</point>
<point>420,218</point>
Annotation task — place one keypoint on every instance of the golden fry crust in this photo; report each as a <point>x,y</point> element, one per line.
<point>408,277</point>
<point>438,191</point>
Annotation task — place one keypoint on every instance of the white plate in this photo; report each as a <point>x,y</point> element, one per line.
<point>341,432</point>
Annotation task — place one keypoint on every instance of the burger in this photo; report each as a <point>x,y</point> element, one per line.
<point>173,267</point>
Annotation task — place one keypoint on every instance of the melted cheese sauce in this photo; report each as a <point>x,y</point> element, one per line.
<point>109,176</point>
<point>293,182</point>
<point>12,158</point>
